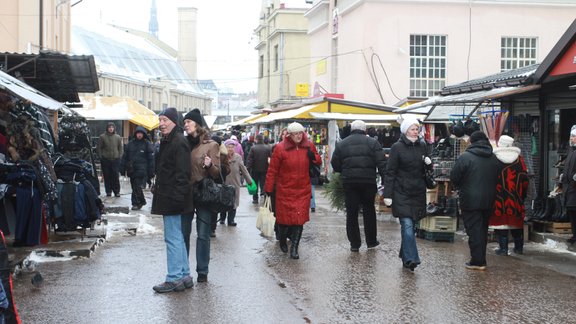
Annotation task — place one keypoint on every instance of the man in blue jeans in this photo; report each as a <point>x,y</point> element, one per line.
<point>172,194</point>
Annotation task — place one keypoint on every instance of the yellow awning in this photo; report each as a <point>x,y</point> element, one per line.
<point>117,108</point>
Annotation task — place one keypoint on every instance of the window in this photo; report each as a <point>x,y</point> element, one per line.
<point>427,64</point>
<point>276,58</point>
<point>261,67</point>
<point>517,52</point>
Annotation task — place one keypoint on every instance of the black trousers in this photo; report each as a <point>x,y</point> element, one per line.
<point>476,224</point>
<point>572,215</point>
<point>137,193</point>
<point>356,195</point>
<point>260,178</point>
<point>111,173</point>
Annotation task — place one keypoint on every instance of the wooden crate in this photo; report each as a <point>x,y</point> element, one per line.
<point>445,224</point>
<point>439,236</point>
<point>559,228</point>
<point>552,227</point>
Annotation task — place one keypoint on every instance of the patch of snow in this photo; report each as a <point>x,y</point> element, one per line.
<point>41,257</point>
<point>552,246</point>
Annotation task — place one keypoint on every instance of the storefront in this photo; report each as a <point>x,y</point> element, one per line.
<point>538,103</point>
<point>327,119</point>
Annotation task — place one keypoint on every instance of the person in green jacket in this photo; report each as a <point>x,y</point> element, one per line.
<point>110,148</point>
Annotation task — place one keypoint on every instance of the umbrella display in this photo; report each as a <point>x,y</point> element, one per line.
<point>492,123</point>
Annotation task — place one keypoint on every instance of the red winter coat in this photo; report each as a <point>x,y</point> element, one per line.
<point>288,173</point>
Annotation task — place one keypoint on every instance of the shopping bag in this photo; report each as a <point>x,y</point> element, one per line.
<point>265,220</point>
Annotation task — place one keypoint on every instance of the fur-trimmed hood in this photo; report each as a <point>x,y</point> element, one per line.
<point>507,154</point>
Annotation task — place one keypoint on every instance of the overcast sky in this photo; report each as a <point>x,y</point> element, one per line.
<point>225,32</point>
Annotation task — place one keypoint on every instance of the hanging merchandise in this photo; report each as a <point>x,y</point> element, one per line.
<point>492,123</point>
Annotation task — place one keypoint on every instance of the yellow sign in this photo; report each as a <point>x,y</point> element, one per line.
<point>321,67</point>
<point>302,90</point>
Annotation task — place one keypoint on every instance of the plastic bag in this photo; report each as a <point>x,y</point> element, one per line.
<point>265,220</point>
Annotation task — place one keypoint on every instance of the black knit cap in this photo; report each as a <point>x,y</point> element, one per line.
<point>172,114</point>
<point>478,136</point>
<point>195,116</point>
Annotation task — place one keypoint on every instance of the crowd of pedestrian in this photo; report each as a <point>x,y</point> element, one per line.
<point>487,180</point>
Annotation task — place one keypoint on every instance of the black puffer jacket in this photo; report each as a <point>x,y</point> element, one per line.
<point>404,181</point>
<point>475,175</point>
<point>568,183</point>
<point>172,191</point>
<point>357,156</point>
<point>138,158</point>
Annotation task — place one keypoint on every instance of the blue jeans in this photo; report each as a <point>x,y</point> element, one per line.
<point>177,259</point>
<point>408,249</point>
<point>313,201</point>
<point>203,229</point>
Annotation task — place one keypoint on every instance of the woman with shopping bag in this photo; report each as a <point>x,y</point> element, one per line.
<point>288,172</point>
<point>237,171</point>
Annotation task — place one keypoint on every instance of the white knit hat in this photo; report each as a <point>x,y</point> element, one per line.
<point>358,124</point>
<point>573,131</point>
<point>295,128</point>
<point>407,122</point>
<point>505,141</point>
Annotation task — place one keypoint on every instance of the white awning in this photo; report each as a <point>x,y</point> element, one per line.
<point>364,117</point>
<point>24,91</point>
<point>470,99</point>
<point>286,114</point>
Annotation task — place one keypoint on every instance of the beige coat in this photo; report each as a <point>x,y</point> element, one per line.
<point>237,170</point>
<point>210,148</point>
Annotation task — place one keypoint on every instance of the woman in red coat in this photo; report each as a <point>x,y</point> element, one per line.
<point>288,173</point>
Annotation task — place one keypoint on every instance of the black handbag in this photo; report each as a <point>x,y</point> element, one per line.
<point>217,197</point>
<point>429,178</point>
<point>314,170</point>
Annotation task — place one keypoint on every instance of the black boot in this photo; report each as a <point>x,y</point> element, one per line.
<point>296,236</point>
<point>519,245</point>
<point>231,217</point>
<point>282,232</point>
<point>502,242</point>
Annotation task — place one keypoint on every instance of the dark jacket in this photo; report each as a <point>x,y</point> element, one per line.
<point>475,175</point>
<point>568,183</point>
<point>404,181</point>
<point>138,158</point>
<point>357,156</point>
<point>258,158</point>
<point>172,190</point>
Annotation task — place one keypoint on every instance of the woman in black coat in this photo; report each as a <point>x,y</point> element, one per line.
<point>405,187</point>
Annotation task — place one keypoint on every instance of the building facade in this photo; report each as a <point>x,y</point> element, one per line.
<point>283,52</point>
<point>388,51</point>
<point>31,25</point>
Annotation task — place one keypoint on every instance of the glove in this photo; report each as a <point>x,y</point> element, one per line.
<point>388,202</point>
<point>427,160</point>
<point>268,194</point>
<point>311,155</point>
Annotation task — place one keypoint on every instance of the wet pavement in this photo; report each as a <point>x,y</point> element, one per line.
<point>252,281</point>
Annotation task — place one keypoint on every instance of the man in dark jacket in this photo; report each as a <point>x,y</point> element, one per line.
<point>475,175</point>
<point>138,164</point>
<point>172,197</point>
<point>357,157</point>
<point>257,164</point>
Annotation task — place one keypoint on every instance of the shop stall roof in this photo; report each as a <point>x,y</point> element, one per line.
<point>117,108</point>
<point>246,120</point>
<point>24,91</point>
<point>297,113</point>
<point>364,117</point>
<point>58,75</point>
<point>441,107</point>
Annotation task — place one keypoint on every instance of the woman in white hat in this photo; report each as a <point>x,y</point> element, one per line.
<point>511,190</point>
<point>569,183</point>
<point>288,172</point>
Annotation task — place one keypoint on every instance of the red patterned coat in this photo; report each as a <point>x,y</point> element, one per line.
<point>511,190</point>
